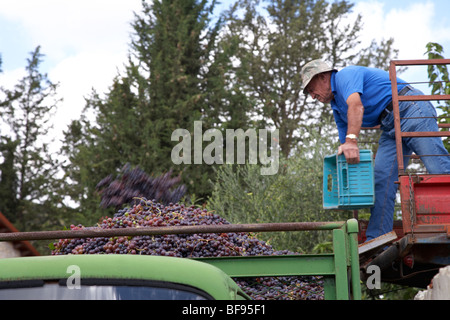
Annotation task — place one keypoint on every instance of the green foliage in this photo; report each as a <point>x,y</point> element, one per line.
<point>389,291</point>
<point>242,195</point>
<point>276,40</point>
<point>378,55</point>
<point>9,179</point>
<point>439,83</point>
<point>176,74</point>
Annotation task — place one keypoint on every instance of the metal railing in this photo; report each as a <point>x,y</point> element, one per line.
<point>399,135</point>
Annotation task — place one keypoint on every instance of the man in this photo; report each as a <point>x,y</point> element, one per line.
<point>362,97</point>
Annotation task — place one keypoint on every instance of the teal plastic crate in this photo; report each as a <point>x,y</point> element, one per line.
<point>348,186</point>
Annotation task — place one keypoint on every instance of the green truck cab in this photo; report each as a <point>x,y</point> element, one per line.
<point>115,277</point>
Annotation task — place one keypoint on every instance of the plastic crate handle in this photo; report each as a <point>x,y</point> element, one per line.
<point>329,182</point>
<point>345,177</point>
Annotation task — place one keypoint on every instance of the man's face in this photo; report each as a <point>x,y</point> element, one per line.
<point>320,88</point>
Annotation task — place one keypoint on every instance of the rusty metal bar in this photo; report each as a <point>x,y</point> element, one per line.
<point>426,134</point>
<point>118,232</point>
<point>425,97</point>
<point>418,62</point>
<point>415,156</point>
<point>424,82</point>
<point>396,111</point>
<point>440,125</point>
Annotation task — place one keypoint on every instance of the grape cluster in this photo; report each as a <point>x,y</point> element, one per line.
<point>134,182</point>
<point>282,288</point>
<point>146,213</point>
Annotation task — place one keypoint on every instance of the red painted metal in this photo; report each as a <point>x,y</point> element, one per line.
<point>425,199</point>
<point>420,62</point>
<point>426,134</point>
<point>409,260</point>
<point>425,97</point>
<point>25,247</point>
<point>396,111</point>
<point>425,202</point>
<point>362,227</point>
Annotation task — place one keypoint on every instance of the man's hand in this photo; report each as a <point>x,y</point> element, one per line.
<point>350,150</point>
<point>355,115</point>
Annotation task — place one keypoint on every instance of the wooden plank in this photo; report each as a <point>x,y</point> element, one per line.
<point>377,242</point>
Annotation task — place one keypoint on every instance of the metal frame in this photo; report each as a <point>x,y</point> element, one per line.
<point>340,269</point>
<point>425,197</point>
<point>395,103</point>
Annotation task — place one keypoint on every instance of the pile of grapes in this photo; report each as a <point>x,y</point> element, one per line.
<point>135,182</point>
<point>146,213</point>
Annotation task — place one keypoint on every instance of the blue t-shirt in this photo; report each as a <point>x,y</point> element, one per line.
<point>374,87</point>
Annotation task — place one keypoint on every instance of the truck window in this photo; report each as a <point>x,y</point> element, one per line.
<point>147,290</point>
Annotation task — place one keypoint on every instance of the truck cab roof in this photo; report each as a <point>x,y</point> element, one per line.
<point>114,276</point>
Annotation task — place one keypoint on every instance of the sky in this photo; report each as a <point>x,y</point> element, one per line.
<point>86,42</point>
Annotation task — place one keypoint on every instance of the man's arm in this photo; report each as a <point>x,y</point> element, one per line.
<point>354,117</point>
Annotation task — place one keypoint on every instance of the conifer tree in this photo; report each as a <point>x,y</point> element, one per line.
<point>276,39</point>
<point>8,178</point>
<point>183,67</point>
<point>29,169</point>
<point>174,76</point>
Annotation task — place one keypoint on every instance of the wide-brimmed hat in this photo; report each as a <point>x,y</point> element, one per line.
<point>313,68</point>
